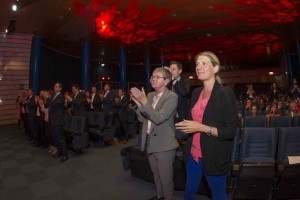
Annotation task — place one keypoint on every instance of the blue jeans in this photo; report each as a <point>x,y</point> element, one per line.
<point>194,172</point>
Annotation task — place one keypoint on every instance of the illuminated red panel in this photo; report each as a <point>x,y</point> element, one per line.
<point>130,24</point>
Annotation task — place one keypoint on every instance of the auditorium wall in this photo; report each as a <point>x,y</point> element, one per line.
<point>14,69</point>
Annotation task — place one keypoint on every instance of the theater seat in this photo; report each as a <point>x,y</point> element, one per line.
<point>280,121</point>
<point>259,121</point>
<point>288,181</point>
<point>255,176</point>
<point>296,121</point>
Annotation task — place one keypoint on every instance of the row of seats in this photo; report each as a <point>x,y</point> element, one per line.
<point>104,126</point>
<point>274,121</point>
<point>74,127</point>
<point>101,126</point>
<point>261,168</point>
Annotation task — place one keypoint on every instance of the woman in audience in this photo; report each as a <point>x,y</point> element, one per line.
<point>295,91</point>
<point>52,148</point>
<point>254,111</point>
<point>250,92</point>
<point>211,127</point>
<point>247,108</point>
<point>273,111</point>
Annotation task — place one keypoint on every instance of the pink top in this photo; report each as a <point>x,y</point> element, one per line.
<point>197,114</point>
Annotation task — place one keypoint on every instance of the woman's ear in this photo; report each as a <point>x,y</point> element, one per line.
<point>216,68</point>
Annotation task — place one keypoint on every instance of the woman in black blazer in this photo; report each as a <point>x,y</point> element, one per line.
<point>211,128</point>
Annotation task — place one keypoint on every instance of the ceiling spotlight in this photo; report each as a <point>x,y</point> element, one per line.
<point>11,26</point>
<point>102,65</point>
<point>14,7</point>
<point>1,77</point>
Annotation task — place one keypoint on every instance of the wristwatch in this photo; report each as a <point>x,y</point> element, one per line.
<point>209,131</point>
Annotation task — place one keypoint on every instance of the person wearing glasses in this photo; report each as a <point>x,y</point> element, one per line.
<point>211,128</point>
<point>157,111</point>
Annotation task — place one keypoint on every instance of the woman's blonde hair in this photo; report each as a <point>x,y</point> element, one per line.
<point>214,61</point>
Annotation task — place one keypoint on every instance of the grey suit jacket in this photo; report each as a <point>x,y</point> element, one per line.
<point>162,134</point>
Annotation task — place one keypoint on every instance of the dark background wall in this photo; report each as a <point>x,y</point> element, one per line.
<point>58,67</point>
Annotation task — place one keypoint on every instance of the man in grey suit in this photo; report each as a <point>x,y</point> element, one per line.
<point>156,111</point>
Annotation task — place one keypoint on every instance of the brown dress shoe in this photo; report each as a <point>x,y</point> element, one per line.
<point>64,158</point>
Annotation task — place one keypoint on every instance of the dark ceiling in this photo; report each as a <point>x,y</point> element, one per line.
<point>238,31</point>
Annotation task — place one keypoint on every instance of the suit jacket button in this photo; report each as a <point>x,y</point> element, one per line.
<point>154,134</point>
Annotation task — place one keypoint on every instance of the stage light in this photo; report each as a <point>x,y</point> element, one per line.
<point>11,26</point>
<point>1,77</point>
<point>102,65</point>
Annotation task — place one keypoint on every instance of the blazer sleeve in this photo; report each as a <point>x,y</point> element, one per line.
<point>162,112</point>
<point>139,115</point>
<point>228,120</point>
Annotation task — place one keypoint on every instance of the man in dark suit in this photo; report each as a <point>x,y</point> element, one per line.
<point>30,110</point>
<point>56,120</point>
<point>156,111</point>
<point>121,104</point>
<point>94,103</point>
<point>107,100</point>
<point>77,102</point>
<point>182,88</point>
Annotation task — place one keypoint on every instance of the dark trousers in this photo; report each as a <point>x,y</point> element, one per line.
<point>123,131</point>
<point>40,130</point>
<point>30,120</point>
<point>194,172</point>
<point>59,139</point>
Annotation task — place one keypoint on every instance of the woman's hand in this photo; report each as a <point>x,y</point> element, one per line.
<point>188,126</point>
<point>138,96</point>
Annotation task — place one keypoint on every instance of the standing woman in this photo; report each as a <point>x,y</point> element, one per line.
<point>157,111</point>
<point>211,128</point>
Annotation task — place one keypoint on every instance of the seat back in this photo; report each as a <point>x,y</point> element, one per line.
<point>288,143</point>
<point>67,122</point>
<point>280,121</point>
<point>258,145</point>
<point>78,124</point>
<point>236,146</point>
<point>288,183</point>
<point>258,121</point>
<point>95,119</point>
<point>257,168</point>
<point>296,120</point>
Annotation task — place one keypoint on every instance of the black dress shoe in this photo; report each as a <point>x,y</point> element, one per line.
<point>64,158</point>
<point>156,198</point>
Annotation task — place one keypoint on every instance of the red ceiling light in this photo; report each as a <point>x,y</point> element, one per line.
<point>131,24</point>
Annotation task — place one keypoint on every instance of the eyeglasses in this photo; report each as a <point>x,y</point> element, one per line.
<point>157,77</point>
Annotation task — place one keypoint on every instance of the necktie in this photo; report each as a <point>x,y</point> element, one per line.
<point>54,97</point>
<point>173,84</point>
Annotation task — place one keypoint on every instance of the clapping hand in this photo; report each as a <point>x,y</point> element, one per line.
<point>188,126</point>
<point>138,96</point>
